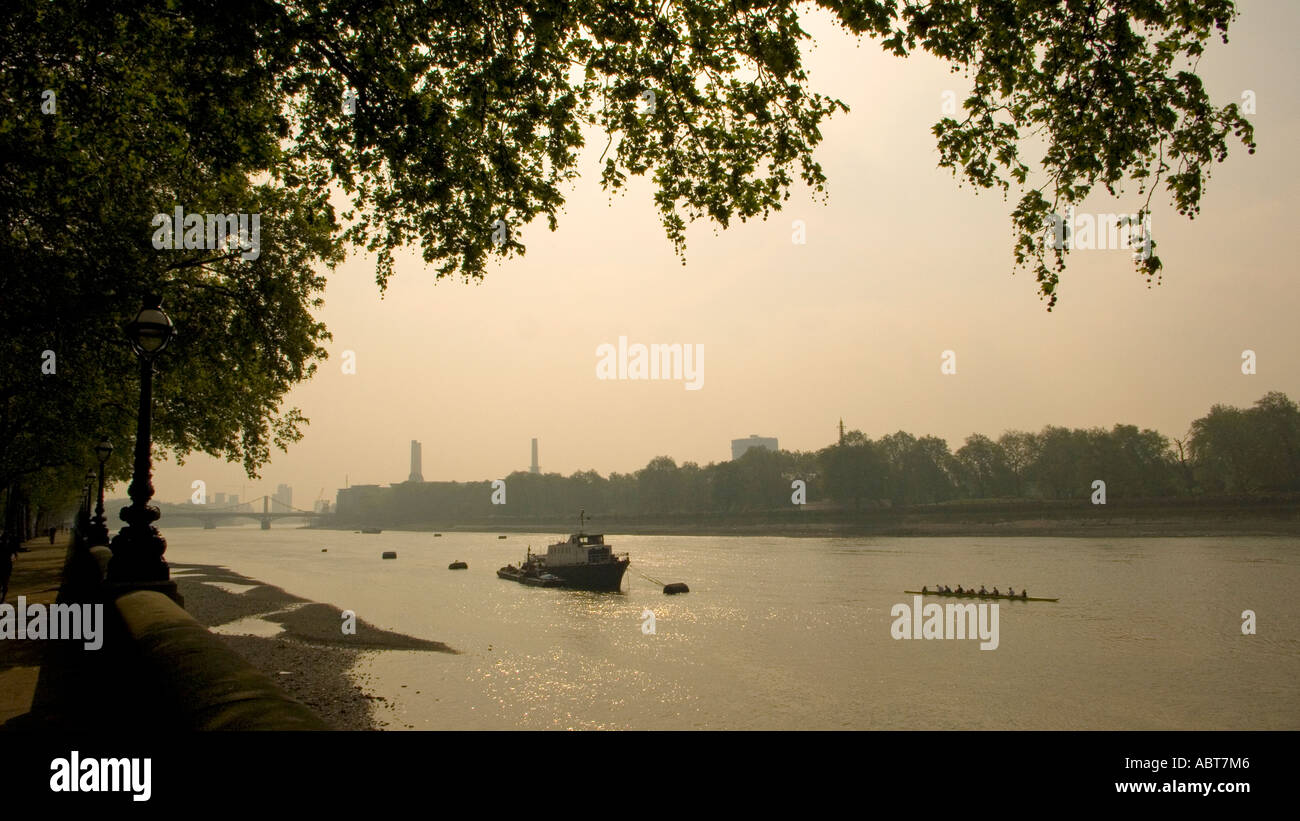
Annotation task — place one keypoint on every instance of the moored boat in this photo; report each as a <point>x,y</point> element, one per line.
<point>529,576</point>
<point>584,562</point>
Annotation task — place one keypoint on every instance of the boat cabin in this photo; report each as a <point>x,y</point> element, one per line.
<point>581,548</point>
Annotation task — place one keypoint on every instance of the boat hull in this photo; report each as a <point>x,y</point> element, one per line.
<point>603,576</point>
<point>606,576</point>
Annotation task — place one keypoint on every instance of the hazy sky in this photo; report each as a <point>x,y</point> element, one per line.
<point>900,265</point>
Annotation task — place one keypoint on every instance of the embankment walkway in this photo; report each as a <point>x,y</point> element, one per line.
<point>37,575</point>
<point>157,667</point>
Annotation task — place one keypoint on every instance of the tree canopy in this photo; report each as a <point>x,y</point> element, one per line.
<point>451,125</point>
<point>469,113</point>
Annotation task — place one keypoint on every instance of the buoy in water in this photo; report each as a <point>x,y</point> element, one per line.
<point>390,554</point>
<point>324,550</point>
<point>457,566</point>
<point>437,535</point>
<point>500,537</point>
<point>676,587</point>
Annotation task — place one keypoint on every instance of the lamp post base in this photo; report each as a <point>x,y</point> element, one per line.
<point>137,562</point>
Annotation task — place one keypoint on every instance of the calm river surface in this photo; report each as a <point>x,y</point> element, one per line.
<point>790,633</point>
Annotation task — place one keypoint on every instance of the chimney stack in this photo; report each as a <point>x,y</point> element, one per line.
<point>416,474</point>
<point>534,468</point>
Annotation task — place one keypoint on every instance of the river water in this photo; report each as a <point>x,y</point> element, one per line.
<point>794,633</point>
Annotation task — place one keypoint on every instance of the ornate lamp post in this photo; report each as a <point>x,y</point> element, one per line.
<point>83,510</point>
<point>85,495</point>
<point>98,526</point>
<point>138,548</point>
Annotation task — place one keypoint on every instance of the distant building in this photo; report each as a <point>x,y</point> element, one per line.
<point>232,500</point>
<point>739,446</point>
<point>359,501</point>
<point>417,472</point>
<point>535,467</point>
<point>219,499</point>
<point>282,501</point>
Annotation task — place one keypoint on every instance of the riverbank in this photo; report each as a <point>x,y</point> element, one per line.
<point>300,644</point>
<point>1272,515</point>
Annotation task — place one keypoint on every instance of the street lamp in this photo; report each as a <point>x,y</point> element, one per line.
<point>83,512</point>
<point>98,526</point>
<point>138,548</point>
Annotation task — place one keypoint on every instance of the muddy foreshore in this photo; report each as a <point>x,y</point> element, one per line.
<point>311,657</point>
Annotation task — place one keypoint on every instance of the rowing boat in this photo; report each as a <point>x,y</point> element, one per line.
<point>975,596</point>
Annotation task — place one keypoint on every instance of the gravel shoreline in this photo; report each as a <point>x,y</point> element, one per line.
<point>310,657</point>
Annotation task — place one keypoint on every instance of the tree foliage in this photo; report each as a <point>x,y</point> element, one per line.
<point>468,115</point>
<point>1108,88</point>
<point>1242,451</point>
<point>147,109</point>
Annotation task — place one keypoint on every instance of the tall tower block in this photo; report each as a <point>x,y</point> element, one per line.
<point>534,468</point>
<point>416,474</point>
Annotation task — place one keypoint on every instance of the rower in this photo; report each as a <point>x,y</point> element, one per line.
<point>983,592</point>
<point>1011,591</point>
<point>923,590</point>
<point>995,592</point>
<point>1024,594</point>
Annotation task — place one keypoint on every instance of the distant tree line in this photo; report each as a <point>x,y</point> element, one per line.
<point>1227,451</point>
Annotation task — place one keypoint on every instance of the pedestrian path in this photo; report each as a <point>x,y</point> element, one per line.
<point>37,575</point>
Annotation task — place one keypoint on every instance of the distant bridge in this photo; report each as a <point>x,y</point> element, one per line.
<point>211,515</point>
